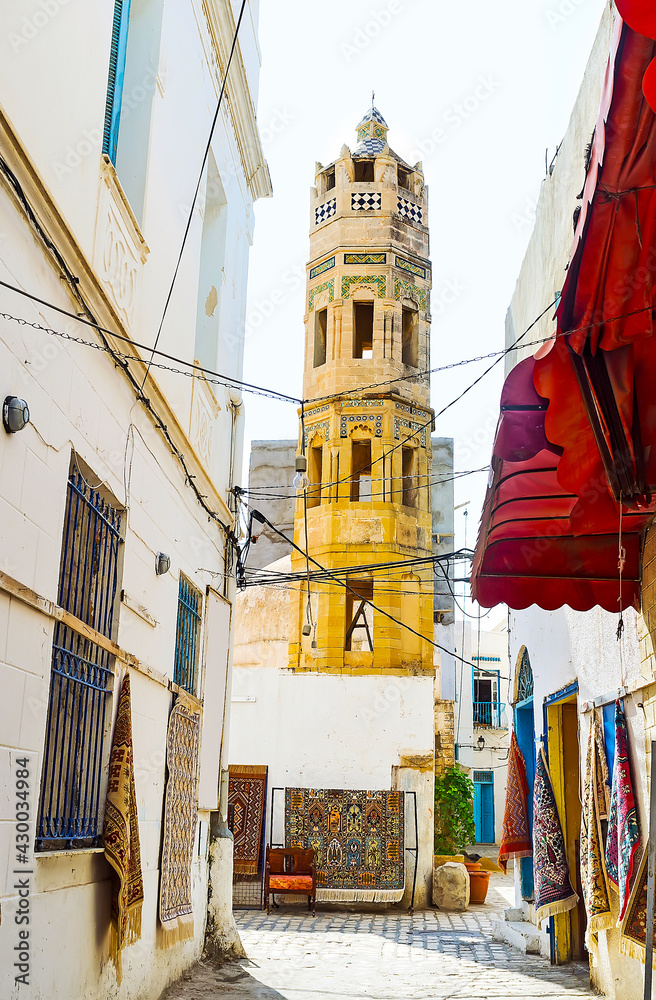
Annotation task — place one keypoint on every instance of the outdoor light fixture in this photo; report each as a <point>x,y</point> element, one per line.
<point>15,414</point>
<point>300,481</point>
<point>480,742</point>
<point>162,563</point>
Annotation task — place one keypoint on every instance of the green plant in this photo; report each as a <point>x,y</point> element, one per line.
<point>454,811</point>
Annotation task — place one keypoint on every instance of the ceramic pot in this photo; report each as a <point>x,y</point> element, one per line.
<point>479,882</point>
<point>473,866</point>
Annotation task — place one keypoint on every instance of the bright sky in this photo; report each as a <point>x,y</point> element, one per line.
<point>477,91</point>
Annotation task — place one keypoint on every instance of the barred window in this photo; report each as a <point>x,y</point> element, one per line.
<point>81,679</point>
<point>187,635</point>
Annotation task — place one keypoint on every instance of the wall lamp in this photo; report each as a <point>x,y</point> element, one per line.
<point>162,563</point>
<point>480,743</point>
<point>15,414</point>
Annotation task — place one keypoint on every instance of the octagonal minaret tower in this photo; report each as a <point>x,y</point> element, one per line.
<point>368,419</point>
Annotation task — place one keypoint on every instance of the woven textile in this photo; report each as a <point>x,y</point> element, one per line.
<point>594,808</point>
<point>553,889</point>
<point>634,925</point>
<point>180,815</point>
<point>121,834</point>
<point>516,834</point>
<point>623,832</point>
<point>247,795</point>
<point>357,838</point>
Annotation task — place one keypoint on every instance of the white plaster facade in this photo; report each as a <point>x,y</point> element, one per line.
<point>329,731</point>
<point>118,232</point>
<point>565,646</point>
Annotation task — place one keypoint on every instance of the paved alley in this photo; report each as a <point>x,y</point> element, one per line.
<point>380,956</point>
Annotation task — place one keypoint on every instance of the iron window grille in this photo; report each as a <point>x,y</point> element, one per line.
<point>81,680</point>
<point>187,635</point>
<point>482,777</point>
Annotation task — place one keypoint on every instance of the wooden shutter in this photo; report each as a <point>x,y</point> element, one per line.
<point>115,79</point>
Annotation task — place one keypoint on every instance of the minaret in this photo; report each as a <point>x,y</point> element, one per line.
<point>367,420</point>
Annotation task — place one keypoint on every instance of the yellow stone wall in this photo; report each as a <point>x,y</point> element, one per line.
<point>377,255</point>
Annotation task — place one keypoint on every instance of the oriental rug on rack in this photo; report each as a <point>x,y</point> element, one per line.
<point>594,808</point>
<point>180,816</point>
<point>623,832</point>
<point>246,801</point>
<point>553,888</point>
<point>633,933</point>
<point>516,834</point>
<point>121,835</point>
<point>358,839</point>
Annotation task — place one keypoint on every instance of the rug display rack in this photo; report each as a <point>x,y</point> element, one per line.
<point>414,850</point>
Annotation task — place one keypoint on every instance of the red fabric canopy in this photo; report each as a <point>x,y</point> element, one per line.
<point>577,434</point>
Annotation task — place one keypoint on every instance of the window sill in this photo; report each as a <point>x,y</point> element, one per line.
<point>69,852</point>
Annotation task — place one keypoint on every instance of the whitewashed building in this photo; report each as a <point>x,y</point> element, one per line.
<point>106,109</point>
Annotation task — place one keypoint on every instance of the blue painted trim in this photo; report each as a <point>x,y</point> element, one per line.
<point>116,76</point>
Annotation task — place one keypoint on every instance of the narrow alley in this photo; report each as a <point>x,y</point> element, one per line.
<point>382,956</point>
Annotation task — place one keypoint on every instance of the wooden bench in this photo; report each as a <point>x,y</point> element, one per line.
<point>290,870</point>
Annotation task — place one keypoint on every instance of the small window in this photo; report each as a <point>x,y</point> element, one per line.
<point>187,635</point>
<point>315,471</point>
<point>364,170</point>
<point>410,335</point>
<point>330,178</point>
<point>363,330</point>
<point>408,461</point>
<point>361,470</point>
<point>320,327</point>
<point>403,176</point>
<point>359,616</point>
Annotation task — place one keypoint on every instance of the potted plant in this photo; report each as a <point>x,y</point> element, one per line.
<point>454,815</point>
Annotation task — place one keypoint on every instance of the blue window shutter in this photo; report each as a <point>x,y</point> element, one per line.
<point>116,74</point>
<point>608,712</point>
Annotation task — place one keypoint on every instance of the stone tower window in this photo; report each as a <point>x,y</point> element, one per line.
<point>320,327</point>
<point>409,473</point>
<point>359,616</point>
<point>410,336</point>
<point>364,170</point>
<point>361,470</point>
<point>363,329</point>
<point>403,176</point>
<point>330,178</point>
<point>315,472</point>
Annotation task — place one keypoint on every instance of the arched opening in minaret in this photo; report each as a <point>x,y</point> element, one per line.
<point>409,476</point>
<point>364,170</point>
<point>403,176</point>
<point>320,328</point>
<point>410,336</point>
<point>361,469</point>
<point>359,616</point>
<point>363,330</point>
<point>315,473</point>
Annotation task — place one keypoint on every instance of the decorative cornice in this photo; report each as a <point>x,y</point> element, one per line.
<point>222,26</point>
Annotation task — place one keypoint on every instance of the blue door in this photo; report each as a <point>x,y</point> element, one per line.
<point>525,732</point>
<point>484,806</point>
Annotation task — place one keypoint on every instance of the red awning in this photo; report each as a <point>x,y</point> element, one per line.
<point>577,432</point>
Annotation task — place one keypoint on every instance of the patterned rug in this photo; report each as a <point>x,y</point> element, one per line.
<point>180,815</point>
<point>623,832</point>
<point>357,838</point>
<point>247,797</point>
<point>594,808</point>
<point>516,835</point>
<point>633,934</point>
<point>121,835</point>
<point>553,889</point>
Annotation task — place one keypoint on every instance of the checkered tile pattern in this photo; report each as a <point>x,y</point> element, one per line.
<point>410,211</point>
<point>325,211</point>
<point>365,202</point>
<point>369,146</point>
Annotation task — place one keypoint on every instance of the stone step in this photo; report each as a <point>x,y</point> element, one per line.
<point>520,934</point>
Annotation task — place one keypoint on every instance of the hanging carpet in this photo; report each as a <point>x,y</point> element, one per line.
<point>180,816</point>
<point>594,808</point>
<point>633,933</point>
<point>121,835</point>
<point>553,888</point>
<point>623,832</point>
<point>516,835</point>
<point>357,838</point>
<point>246,797</point>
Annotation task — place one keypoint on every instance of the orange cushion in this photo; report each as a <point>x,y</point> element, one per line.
<point>290,883</point>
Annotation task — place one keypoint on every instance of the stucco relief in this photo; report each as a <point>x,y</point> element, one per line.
<point>120,249</point>
<point>119,267</point>
<point>202,426</point>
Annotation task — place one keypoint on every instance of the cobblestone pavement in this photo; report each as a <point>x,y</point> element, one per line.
<point>381,956</point>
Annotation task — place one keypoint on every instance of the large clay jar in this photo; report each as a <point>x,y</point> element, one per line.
<point>478,885</point>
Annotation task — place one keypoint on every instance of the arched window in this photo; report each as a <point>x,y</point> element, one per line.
<point>524,682</point>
